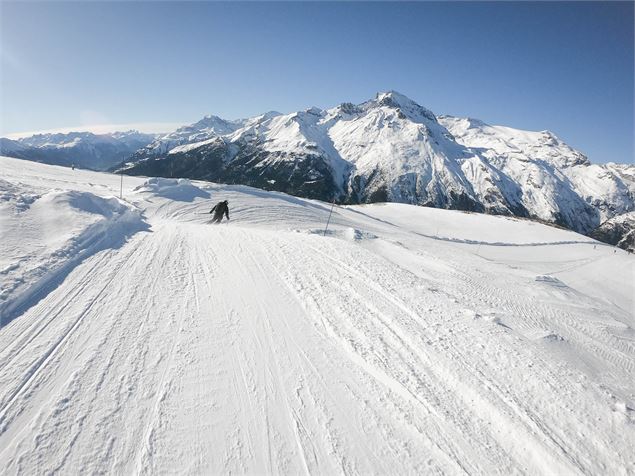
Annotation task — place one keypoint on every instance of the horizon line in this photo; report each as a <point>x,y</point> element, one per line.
<point>144,127</point>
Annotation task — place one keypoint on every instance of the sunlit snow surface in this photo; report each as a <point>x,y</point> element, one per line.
<point>138,338</point>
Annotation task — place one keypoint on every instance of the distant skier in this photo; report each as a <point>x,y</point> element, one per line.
<point>220,209</point>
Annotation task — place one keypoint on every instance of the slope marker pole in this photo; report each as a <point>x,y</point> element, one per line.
<point>329,220</point>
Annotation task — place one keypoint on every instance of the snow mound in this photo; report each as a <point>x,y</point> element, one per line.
<point>57,231</point>
<point>83,203</point>
<point>15,197</point>
<point>347,233</point>
<point>550,280</point>
<point>175,189</point>
<point>354,234</point>
<point>553,338</point>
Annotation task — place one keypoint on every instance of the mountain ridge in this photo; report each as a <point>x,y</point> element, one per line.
<point>82,149</point>
<point>391,149</point>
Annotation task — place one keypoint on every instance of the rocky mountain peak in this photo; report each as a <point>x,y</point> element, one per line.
<point>406,106</point>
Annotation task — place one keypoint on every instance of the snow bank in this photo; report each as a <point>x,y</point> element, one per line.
<point>44,237</point>
<point>19,198</point>
<point>174,189</point>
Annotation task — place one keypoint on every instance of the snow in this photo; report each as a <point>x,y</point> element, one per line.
<point>552,178</point>
<point>192,146</point>
<point>526,145</point>
<point>44,235</point>
<point>362,138</point>
<point>72,139</point>
<point>401,147</point>
<point>174,189</point>
<point>202,132</point>
<point>406,340</point>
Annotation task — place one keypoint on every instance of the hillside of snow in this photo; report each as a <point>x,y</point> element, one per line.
<point>136,337</point>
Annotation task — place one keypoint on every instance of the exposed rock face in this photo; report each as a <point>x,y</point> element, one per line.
<point>618,231</point>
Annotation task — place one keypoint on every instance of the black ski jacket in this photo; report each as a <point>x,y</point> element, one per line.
<point>219,209</point>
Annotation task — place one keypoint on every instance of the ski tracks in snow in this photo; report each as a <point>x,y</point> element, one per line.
<point>198,349</point>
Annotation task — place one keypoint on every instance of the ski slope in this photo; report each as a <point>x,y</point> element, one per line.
<point>138,339</point>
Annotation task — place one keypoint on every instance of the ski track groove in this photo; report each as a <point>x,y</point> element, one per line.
<point>618,352</point>
<point>143,459</point>
<point>203,258</point>
<point>116,271</point>
<point>36,327</point>
<point>269,331</point>
<point>409,395</point>
<point>41,363</point>
<point>554,316</point>
<point>272,250</point>
<point>515,407</point>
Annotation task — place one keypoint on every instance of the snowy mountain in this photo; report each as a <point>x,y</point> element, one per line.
<point>10,147</point>
<point>392,149</point>
<point>136,338</point>
<point>386,149</point>
<point>618,231</point>
<point>207,128</point>
<point>84,149</point>
<point>557,183</point>
<point>570,184</point>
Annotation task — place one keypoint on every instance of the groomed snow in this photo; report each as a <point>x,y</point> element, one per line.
<point>45,233</point>
<point>405,340</point>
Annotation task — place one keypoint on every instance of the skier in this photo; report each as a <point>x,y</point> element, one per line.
<point>220,209</point>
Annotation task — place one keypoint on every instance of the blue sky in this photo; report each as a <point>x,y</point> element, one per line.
<point>566,67</point>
